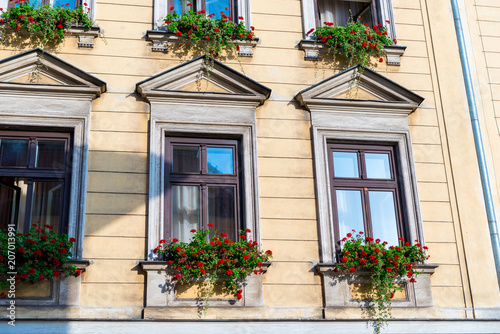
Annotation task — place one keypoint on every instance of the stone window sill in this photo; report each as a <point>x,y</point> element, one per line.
<point>160,289</point>
<point>337,287</point>
<point>312,50</point>
<point>85,36</point>
<point>60,292</point>
<point>162,39</point>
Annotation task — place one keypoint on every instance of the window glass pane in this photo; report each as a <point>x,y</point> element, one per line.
<point>220,160</point>
<point>13,152</point>
<point>221,211</point>
<point>186,159</point>
<point>377,166</point>
<point>185,211</point>
<point>50,154</point>
<point>345,164</point>
<point>46,203</point>
<point>383,214</point>
<point>350,211</point>
<point>338,12</point>
<point>217,6</point>
<point>181,6</point>
<point>9,204</point>
<point>59,3</point>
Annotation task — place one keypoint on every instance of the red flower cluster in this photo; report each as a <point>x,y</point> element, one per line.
<point>206,257</point>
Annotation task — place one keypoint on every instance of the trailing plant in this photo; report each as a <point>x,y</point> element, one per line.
<point>213,34</point>
<point>211,257</point>
<point>357,40</point>
<point>388,268</point>
<point>37,255</point>
<point>45,24</point>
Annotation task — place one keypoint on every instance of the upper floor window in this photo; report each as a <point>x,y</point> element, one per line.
<point>228,7</point>
<point>202,186</point>
<point>55,3</point>
<point>234,9</point>
<point>365,191</point>
<point>317,12</point>
<point>35,173</point>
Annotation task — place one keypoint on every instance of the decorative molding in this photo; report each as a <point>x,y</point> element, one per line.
<point>85,36</point>
<point>380,118</point>
<point>161,288</point>
<point>312,50</point>
<point>162,39</point>
<point>338,294</point>
<point>388,97</point>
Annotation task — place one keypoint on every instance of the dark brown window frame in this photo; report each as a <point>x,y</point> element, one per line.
<point>203,179</point>
<point>34,174</point>
<point>364,185</point>
<point>233,10</point>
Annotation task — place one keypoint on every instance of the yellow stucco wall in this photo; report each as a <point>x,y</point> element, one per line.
<point>454,220</point>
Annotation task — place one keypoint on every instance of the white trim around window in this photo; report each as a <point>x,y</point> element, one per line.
<point>310,15</point>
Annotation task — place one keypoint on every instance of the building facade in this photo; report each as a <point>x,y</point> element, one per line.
<point>285,120</point>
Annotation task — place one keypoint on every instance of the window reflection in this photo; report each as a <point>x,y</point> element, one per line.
<point>350,211</point>
<point>220,160</point>
<point>377,166</point>
<point>383,214</point>
<point>345,164</point>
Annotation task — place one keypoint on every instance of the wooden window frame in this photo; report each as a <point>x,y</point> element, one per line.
<point>34,174</point>
<point>203,179</point>
<point>364,184</point>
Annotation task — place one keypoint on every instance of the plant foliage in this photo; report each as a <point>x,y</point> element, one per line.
<point>357,40</point>
<point>37,255</point>
<point>214,34</point>
<point>388,268</point>
<point>211,257</point>
<point>45,24</point>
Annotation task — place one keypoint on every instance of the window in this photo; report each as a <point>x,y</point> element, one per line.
<point>365,195</point>
<point>194,178</point>
<point>235,8</point>
<point>368,185</point>
<point>316,12</point>
<point>340,12</point>
<point>35,173</point>
<point>202,186</point>
<point>209,6</point>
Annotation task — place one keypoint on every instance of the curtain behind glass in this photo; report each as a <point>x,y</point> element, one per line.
<point>337,11</point>
<point>185,211</point>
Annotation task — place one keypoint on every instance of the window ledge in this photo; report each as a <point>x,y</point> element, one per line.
<point>62,291</point>
<point>160,289</point>
<point>161,40</point>
<point>85,35</point>
<point>313,48</point>
<point>338,293</point>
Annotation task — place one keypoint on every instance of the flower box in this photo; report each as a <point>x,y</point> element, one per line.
<point>313,49</point>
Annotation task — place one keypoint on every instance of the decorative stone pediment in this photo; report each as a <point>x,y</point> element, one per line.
<point>364,90</point>
<point>195,81</point>
<point>38,72</point>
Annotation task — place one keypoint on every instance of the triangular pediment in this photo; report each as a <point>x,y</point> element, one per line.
<point>38,70</point>
<point>200,79</point>
<point>359,87</point>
